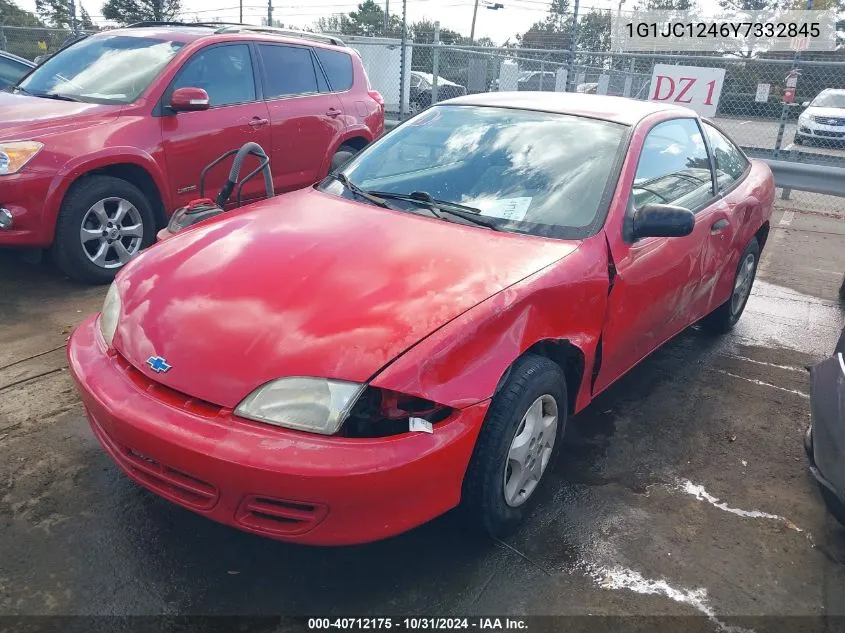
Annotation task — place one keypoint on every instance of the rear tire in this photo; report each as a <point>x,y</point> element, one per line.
<point>343,155</point>
<point>799,140</point>
<point>495,499</point>
<point>94,203</point>
<point>725,317</point>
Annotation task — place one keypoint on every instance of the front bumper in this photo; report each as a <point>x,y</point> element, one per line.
<point>811,129</point>
<point>24,195</point>
<point>284,484</point>
<point>825,442</point>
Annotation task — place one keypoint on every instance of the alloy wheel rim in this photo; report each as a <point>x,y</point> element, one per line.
<point>742,285</point>
<point>111,232</point>
<point>530,450</point>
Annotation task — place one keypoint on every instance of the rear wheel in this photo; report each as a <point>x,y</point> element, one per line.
<point>799,140</point>
<point>103,223</point>
<point>343,155</point>
<point>723,318</point>
<point>519,441</point>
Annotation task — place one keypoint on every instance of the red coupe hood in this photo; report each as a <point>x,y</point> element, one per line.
<point>307,284</point>
<point>24,118</point>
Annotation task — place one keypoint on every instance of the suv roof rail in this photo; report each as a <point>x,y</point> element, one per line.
<point>317,37</point>
<point>152,23</point>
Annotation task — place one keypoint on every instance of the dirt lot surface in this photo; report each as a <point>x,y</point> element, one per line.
<point>683,491</point>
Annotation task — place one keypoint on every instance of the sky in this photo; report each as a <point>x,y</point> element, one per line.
<point>499,25</point>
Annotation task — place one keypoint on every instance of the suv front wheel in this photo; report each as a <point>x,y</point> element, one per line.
<point>103,223</point>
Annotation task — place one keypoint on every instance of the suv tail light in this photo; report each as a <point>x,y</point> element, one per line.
<point>375,95</point>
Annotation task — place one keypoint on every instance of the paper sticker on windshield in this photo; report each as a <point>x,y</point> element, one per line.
<point>506,208</point>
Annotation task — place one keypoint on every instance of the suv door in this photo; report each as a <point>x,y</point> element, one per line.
<point>656,277</point>
<point>192,140</point>
<point>306,119</point>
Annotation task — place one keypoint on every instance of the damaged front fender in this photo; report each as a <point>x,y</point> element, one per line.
<point>463,362</point>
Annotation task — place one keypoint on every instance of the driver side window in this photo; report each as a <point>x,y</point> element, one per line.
<point>674,167</point>
<point>224,72</point>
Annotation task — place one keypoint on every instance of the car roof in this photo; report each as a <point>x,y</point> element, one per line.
<point>187,32</point>
<point>616,109</point>
<point>16,58</point>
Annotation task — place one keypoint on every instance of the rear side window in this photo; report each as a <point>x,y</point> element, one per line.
<point>338,67</point>
<point>730,163</point>
<point>288,71</point>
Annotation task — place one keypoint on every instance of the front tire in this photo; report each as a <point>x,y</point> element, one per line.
<point>519,441</point>
<point>103,223</point>
<point>725,317</point>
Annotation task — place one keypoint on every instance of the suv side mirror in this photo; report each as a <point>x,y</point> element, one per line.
<point>806,104</point>
<point>189,100</point>
<point>662,220</point>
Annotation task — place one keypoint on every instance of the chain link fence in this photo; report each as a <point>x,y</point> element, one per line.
<point>751,107</point>
<point>32,42</point>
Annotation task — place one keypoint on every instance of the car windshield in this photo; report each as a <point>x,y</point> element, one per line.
<point>830,100</point>
<point>102,69</point>
<point>525,171</point>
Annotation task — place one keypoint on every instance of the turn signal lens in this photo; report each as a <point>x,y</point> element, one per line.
<point>13,156</point>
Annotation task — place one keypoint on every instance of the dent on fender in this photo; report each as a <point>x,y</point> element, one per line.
<point>462,363</point>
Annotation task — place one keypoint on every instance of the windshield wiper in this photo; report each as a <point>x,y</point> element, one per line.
<point>340,177</point>
<point>57,96</point>
<point>423,198</point>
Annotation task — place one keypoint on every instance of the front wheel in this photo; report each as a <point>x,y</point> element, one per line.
<point>519,441</point>
<point>103,223</point>
<point>724,318</point>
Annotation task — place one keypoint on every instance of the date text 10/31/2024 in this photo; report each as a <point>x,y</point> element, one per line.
<point>418,623</point>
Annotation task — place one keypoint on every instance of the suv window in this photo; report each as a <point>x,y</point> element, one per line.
<point>288,70</point>
<point>674,167</point>
<point>730,163</point>
<point>338,67</point>
<point>224,72</point>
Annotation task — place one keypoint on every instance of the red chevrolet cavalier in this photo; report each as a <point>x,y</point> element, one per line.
<point>342,363</point>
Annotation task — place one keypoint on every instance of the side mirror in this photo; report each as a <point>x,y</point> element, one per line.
<point>189,100</point>
<point>806,104</point>
<point>662,220</point>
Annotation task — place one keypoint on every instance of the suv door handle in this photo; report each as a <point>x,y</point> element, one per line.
<point>718,225</point>
<point>258,121</point>
<point>333,112</point>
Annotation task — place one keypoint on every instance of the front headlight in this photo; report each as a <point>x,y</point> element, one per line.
<point>110,314</point>
<point>317,405</point>
<point>13,156</point>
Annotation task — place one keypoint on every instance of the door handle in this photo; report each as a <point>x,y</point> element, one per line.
<point>333,112</point>
<point>718,225</point>
<point>258,122</point>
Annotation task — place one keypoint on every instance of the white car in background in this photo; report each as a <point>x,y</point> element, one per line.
<point>823,118</point>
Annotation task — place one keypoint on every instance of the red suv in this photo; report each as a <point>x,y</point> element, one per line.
<point>100,143</point>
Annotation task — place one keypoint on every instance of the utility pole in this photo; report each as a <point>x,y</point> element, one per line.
<point>269,12</point>
<point>241,15</point>
<point>386,15</point>
<point>472,31</point>
<point>573,43</point>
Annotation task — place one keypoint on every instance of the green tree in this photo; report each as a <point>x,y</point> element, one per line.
<point>551,32</point>
<point>54,13</point>
<point>12,15</point>
<point>368,20</point>
<point>85,20</point>
<point>129,11</point>
<point>422,31</point>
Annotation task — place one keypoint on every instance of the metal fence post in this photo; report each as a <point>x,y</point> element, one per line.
<point>573,37</point>
<point>435,62</point>
<point>3,45</point>
<point>403,64</point>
